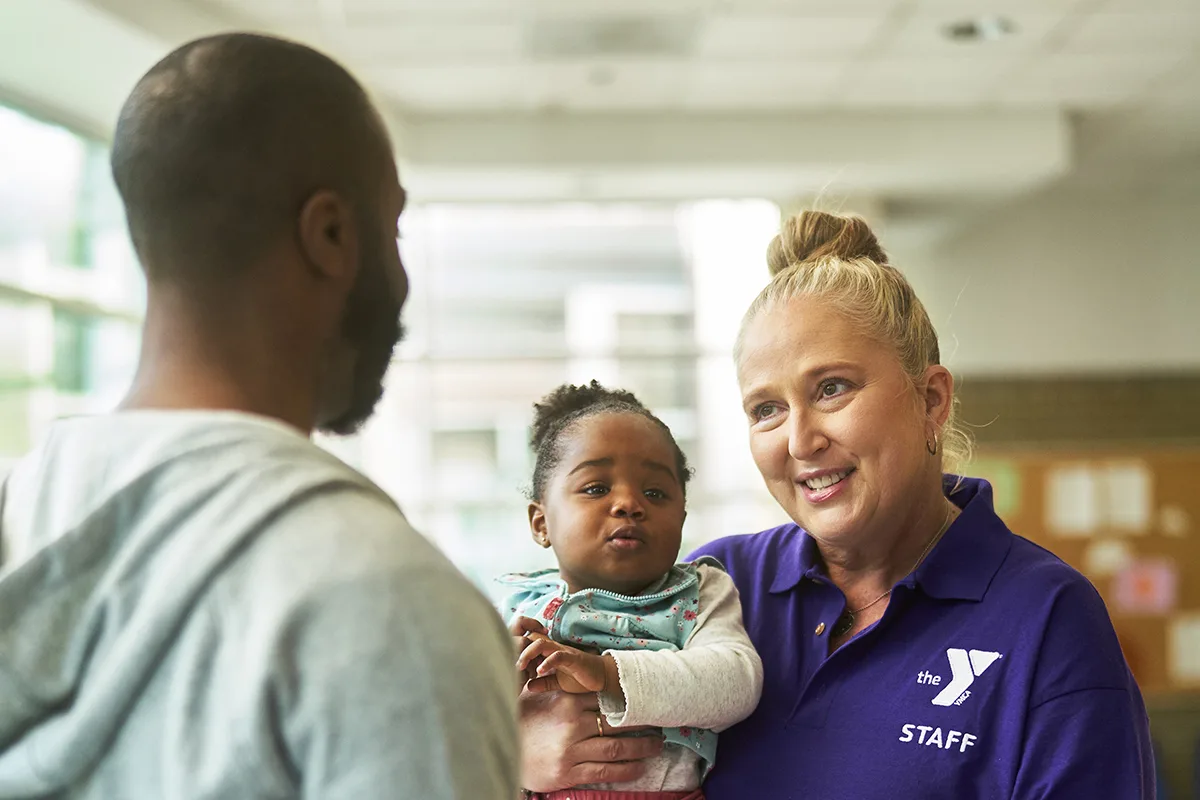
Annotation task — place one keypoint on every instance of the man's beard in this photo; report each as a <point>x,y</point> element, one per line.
<point>371,326</point>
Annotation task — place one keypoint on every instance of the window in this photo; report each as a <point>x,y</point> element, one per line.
<point>510,301</point>
<point>71,295</point>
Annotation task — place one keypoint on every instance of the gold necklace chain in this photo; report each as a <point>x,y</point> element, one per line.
<point>846,621</point>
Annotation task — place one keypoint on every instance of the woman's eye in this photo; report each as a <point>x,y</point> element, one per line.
<point>833,388</point>
<point>765,411</point>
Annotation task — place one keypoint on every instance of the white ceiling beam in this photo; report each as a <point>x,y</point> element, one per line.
<point>72,63</point>
<point>682,156</point>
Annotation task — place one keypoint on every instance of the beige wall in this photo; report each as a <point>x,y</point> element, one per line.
<point>1069,282</point>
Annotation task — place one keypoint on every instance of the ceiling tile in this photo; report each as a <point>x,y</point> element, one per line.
<point>784,85</point>
<point>924,34</point>
<point>808,7</point>
<point>790,36</point>
<point>376,8</point>
<point>1148,6</point>
<point>1177,88</point>
<point>921,82</point>
<point>623,86</point>
<point>1085,81</point>
<point>1128,32</point>
<point>423,43</point>
<point>638,36</point>
<point>272,10</point>
<point>522,9</point>
<point>485,87</point>
<point>627,86</point>
<point>967,8</point>
<point>601,8</point>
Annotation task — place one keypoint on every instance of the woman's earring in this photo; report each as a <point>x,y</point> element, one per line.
<point>932,449</point>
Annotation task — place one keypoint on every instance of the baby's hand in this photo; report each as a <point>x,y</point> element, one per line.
<point>564,668</point>
<point>521,629</point>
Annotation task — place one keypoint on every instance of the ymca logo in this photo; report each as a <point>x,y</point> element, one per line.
<point>965,667</point>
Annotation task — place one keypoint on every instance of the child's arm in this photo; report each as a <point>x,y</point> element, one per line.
<point>714,682</point>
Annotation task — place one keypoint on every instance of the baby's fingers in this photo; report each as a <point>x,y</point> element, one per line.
<point>523,625</point>
<point>538,648</point>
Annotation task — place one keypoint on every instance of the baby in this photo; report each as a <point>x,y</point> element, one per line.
<point>661,644</point>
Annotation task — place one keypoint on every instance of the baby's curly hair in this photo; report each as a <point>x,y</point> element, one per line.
<point>568,404</point>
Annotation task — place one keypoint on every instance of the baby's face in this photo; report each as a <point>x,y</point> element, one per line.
<point>613,510</point>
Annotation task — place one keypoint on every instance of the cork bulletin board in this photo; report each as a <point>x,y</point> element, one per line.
<point>1128,519</point>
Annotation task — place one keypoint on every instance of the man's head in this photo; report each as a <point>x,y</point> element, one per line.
<point>256,170</point>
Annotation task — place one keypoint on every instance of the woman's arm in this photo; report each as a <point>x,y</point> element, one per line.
<point>1090,743</point>
<point>1086,731</point>
<point>715,681</point>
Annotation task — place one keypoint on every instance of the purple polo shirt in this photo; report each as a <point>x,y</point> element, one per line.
<point>994,673</point>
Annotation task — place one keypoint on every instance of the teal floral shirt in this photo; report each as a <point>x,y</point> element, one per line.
<point>661,618</point>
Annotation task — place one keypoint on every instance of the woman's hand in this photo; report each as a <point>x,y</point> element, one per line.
<point>562,747</point>
<point>550,666</point>
<point>565,741</point>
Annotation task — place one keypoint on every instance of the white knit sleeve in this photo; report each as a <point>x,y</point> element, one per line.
<point>715,681</point>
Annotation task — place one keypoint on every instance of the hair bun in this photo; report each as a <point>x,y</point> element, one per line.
<point>812,235</point>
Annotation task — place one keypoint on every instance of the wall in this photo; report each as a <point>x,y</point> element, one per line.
<point>1068,282</point>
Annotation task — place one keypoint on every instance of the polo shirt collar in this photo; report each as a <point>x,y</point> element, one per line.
<point>797,556</point>
<point>961,566</point>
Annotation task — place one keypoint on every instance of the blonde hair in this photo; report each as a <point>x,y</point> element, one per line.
<point>837,258</point>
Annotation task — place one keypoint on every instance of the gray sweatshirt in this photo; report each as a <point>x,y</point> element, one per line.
<point>207,605</point>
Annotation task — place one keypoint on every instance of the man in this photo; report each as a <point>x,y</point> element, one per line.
<point>196,601</point>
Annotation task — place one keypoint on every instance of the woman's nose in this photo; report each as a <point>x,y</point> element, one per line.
<point>805,437</point>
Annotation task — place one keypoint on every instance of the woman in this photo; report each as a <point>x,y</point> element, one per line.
<point>912,645</point>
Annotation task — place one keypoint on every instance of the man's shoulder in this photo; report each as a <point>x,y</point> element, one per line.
<point>346,567</point>
<point>344,531</point>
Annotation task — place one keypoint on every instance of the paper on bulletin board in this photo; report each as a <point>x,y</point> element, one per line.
<point>1183,648</point>
<point>1174,521</point>
<point>1129,496</point>
<point>1072,501</point>
<point>1005,478</point>
<point>1146,586</point>
<point>1106,557</point>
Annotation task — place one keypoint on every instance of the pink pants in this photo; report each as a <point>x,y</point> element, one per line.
<point>593,794</point>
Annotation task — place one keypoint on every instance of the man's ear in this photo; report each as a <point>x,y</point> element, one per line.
<point>537,524</point>
<point>329,237</point>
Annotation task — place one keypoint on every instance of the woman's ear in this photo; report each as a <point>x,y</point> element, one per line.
<point>938,394</point>
<point>537,524</point>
